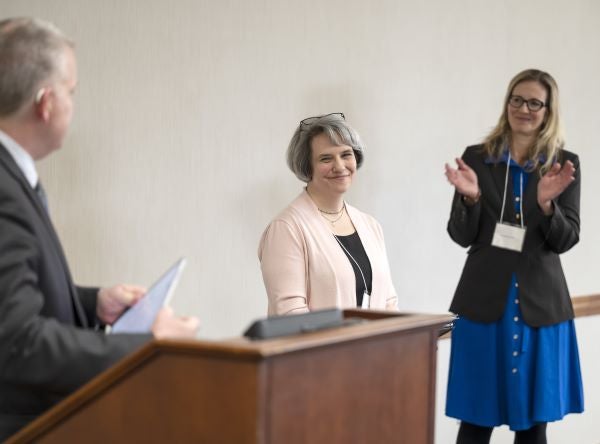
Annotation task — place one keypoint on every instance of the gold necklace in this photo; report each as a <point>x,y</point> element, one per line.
<point>332,212</point>
<point>323,212</point>
<point>332,221</point>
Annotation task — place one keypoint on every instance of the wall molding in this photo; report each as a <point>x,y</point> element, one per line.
<point>582,305</point>
<point>586,305</point>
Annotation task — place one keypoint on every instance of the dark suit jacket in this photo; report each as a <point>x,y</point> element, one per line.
<point>483,287</point>
<point>47,348</point>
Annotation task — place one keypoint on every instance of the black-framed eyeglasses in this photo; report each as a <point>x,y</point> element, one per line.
<point>532,104</point>
<point>310,120</point>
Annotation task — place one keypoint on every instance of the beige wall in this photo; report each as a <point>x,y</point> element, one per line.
<point>185,109</point>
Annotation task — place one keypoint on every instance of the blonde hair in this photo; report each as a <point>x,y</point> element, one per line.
<point>549,141</point>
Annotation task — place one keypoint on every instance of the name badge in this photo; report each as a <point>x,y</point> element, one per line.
<point>510,237</point>
<point>366,301</point>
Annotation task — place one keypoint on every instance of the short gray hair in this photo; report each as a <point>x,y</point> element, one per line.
<point>334,126</point>
<point>31,52</point>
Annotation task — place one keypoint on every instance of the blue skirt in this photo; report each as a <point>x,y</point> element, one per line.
<point>509,373</point>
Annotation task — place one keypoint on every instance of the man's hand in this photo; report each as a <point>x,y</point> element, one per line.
<point>113,301</point>
<point>167,325</point>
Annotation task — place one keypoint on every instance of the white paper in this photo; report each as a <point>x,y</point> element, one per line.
<point>140,317</point>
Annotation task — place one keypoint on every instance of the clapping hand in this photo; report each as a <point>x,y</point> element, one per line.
<point>464,179</point>
<point>553,183</point>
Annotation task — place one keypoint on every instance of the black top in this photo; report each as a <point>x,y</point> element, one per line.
<point>354,249</point>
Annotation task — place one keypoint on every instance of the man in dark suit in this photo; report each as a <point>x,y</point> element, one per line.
<point>51,340</point>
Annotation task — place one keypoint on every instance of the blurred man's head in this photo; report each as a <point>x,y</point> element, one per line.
<point>38,76</point>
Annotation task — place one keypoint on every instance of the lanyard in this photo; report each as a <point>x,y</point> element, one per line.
<point>504,196</point>
<point>354,260</point>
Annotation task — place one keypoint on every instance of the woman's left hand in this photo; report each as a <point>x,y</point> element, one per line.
<point>554,182</point>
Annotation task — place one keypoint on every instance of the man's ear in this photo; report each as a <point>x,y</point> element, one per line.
<point>43,103</point>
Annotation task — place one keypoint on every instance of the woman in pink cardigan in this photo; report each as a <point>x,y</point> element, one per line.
<point>321,252</point>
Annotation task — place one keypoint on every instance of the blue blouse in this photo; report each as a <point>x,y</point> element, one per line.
<point>507,372</point>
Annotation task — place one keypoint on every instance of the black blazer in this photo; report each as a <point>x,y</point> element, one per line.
<point>483,287</point>
<point>47,348</point>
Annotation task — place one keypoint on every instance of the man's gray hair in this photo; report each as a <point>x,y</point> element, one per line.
<point>31,52</point>
<point>334,126</point>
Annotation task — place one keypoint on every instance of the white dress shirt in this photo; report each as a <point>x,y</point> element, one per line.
<point>21,157</point>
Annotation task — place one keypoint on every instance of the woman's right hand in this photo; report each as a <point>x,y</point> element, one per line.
<point>464,179</point>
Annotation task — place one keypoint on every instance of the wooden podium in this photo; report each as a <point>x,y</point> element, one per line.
<point>371,382</point>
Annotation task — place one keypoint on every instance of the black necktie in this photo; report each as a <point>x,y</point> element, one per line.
<point>39,190</point>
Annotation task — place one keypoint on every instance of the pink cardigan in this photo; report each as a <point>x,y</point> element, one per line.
<point>304,268</point>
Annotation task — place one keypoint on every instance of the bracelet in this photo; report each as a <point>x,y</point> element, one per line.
<point>472,200</point>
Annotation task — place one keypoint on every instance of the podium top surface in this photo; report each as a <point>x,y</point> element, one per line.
<point>376,323</point>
